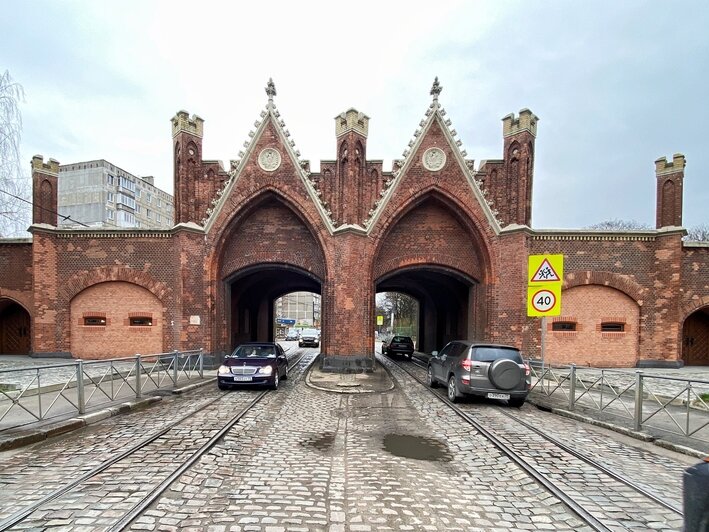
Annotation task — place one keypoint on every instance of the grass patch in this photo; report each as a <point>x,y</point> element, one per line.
<point>704,397</point>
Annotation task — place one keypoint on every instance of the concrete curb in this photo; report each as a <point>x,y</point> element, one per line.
<point>33,435</point>
<point>348,390</point>
<point>642,436</point>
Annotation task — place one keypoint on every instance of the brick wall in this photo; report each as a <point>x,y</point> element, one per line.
<point>16,273</point>
<point>588,307</point>
<point>116,302</point>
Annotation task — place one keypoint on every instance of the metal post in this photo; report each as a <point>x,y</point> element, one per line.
<point>39,395</point>
<point>174,368</point>
<point>81,398</point>
<point>572,387</point>
<point>201,362</point>
<point>689,403</point>
<point>544,322</point>
<point>638,400</point>
<point>138,377</point>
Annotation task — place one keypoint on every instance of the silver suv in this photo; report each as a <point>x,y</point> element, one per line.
<point>484,370</point>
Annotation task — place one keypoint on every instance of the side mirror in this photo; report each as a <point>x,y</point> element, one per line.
<point>434,354</point>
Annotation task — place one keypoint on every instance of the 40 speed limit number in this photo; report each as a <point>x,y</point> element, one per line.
<point>543,301</point>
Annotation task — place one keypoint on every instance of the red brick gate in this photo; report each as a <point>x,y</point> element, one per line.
<point>452,234</point>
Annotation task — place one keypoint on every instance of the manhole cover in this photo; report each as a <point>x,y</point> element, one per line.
<point>416,447</point>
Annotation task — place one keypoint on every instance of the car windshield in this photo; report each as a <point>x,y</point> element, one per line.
<point>490,354</point>
<point>309,332</point>
<point>254,351</point>
<point>401,339</point>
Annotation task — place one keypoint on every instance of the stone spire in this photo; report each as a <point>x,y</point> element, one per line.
<point>436,89</point>
<point>270,90</point>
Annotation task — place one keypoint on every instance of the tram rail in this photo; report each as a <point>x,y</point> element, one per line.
<point>24,513</point>
<point>576,507</point>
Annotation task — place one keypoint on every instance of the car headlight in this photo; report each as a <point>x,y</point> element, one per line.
<point>224,370</point>
<point>265,370</point>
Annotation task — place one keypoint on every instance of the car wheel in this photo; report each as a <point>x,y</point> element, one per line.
<point>453,394</point>
<point>274,386</point>
<point>285,374</point>
<point>430,380</point>
<point>516,402</point>
<point>223,386</point>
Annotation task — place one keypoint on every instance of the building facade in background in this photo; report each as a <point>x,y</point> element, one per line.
<point>303,307</point>
<point>100,194</point>
<point>452,234</point>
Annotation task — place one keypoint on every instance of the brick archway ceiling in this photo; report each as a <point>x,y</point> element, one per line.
<point>426,282</point>
<point>270,281</point>
<point>291,242</point>
<point>449,243</point>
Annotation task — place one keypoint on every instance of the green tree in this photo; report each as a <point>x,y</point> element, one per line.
<point>15,188</point>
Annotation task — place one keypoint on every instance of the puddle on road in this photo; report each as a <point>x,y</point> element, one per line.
<point>322,442</point>
<point>417,447</point>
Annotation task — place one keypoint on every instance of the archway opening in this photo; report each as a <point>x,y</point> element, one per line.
<point>253,293</point>
<point>449,305</point>
<point>295,312</point>
<point>14,328</point>
<point>399,314</point>
<point>695,338</point>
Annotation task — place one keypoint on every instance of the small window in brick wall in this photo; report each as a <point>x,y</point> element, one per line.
<point>142,321</point>
<point>563,326</point>
<point>612,326</point>
<point>95,320</point>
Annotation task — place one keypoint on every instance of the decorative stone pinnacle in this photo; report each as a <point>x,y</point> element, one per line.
<point>436,89</point>
<point>270,89</point>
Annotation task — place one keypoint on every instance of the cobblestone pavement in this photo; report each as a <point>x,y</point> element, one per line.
<point>603,496</point>
<point>305,459</point>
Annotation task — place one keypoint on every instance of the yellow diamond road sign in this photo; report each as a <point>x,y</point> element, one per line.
<point>545,274</point>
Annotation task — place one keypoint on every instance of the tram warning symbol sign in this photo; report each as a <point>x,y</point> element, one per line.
<point>545,273</point>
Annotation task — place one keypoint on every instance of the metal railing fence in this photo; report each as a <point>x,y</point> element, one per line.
<point>679,406</point>
<point>35,393</point>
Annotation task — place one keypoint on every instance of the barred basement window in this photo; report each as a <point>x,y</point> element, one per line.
<point>95,320</point>
<point>612,327</point>
<point>142,321</point>
<point>563,326</point>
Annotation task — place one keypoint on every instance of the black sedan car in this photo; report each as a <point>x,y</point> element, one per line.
<point>262,363</point>
<point>309,337</point>
<point>398,344</point>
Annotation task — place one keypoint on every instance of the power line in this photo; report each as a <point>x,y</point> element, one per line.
<point>65,218</point>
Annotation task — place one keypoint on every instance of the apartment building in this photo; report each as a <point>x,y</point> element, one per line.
<point>100,194</point>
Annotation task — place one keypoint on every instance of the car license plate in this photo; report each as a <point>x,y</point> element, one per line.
<point>243,379</point>
<point>498,396</point>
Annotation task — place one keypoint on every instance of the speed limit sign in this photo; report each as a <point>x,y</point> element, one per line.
<point>543,301</point>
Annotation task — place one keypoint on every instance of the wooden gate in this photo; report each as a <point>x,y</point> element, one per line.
<point>14,330</point>
<point>695,339</point>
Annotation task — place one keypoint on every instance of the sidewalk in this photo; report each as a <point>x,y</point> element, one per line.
<point>19,397</point>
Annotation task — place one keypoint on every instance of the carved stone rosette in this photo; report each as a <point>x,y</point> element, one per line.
<point>434,159</point>
<point>269,159</point>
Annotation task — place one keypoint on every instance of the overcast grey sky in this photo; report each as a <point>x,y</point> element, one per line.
<point>615,85</point>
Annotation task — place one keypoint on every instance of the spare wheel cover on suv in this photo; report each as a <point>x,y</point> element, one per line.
<point>505,374</point>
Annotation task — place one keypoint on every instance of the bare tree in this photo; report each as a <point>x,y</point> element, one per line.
<point>15,188</point>
<point>620,225</point>
<point>698,233</point>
